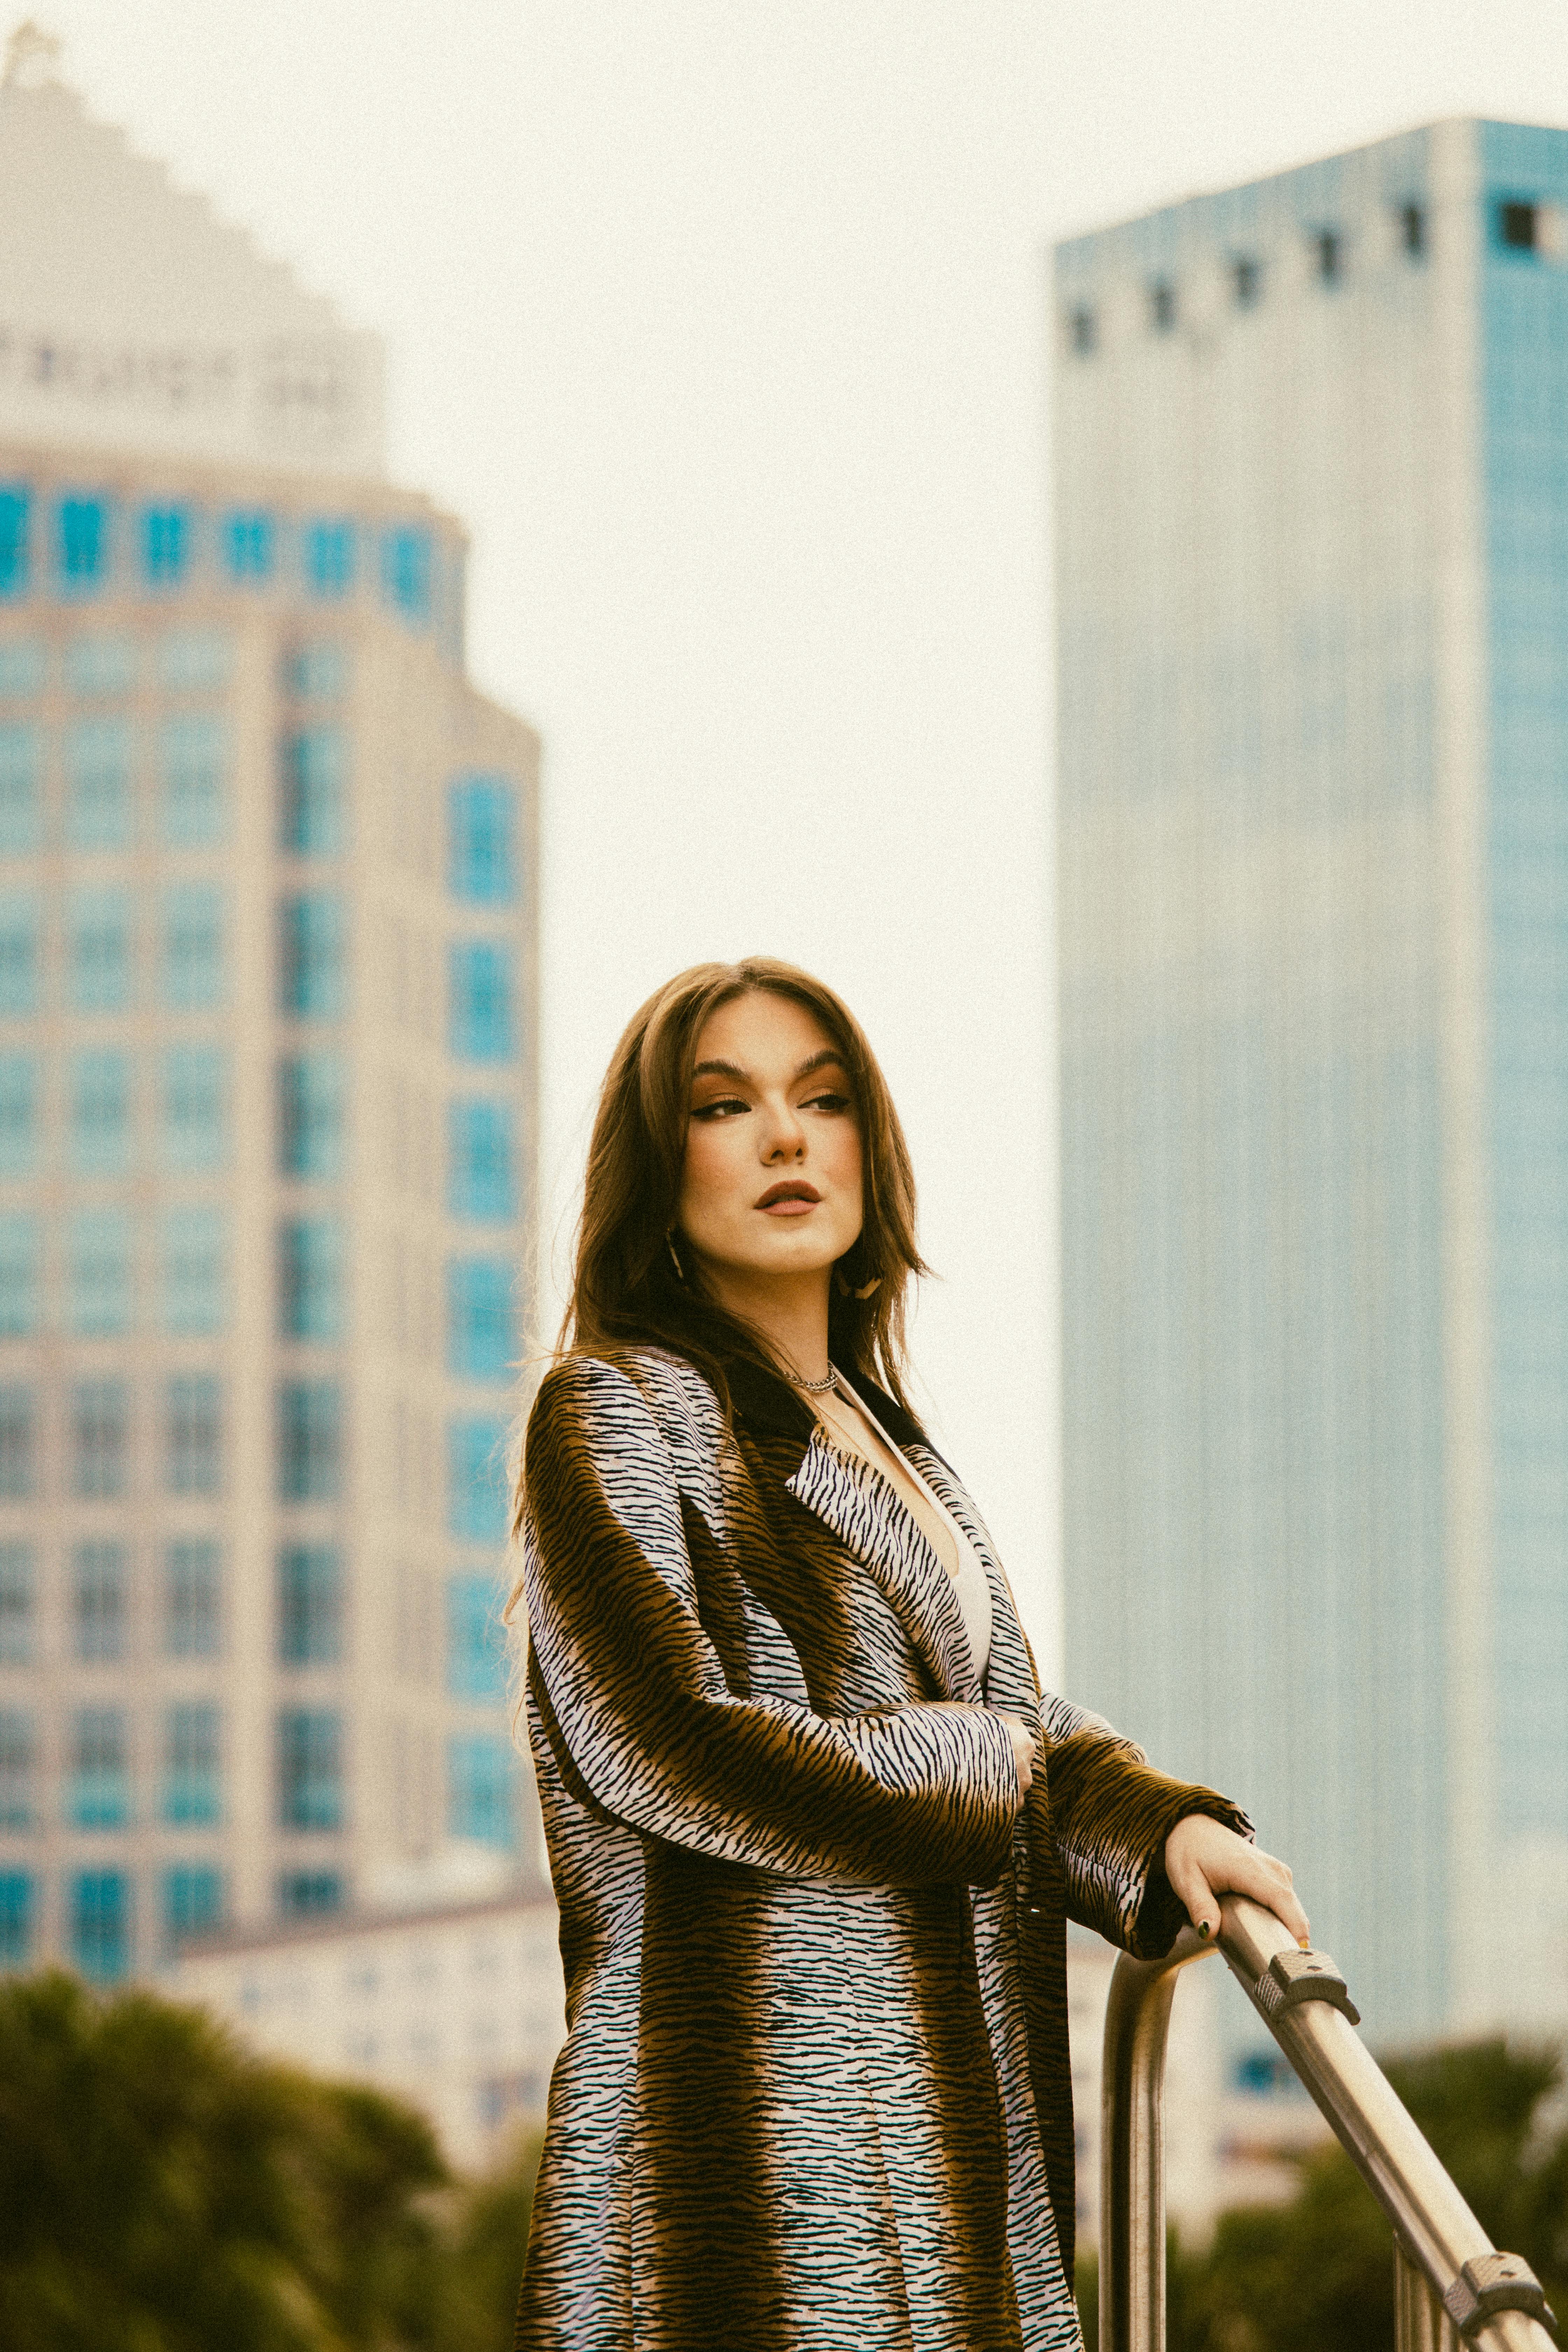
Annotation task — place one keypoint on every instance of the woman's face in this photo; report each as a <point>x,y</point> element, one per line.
<point>770,1183</point>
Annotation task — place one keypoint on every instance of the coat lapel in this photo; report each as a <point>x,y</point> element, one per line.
<point>1010,1679</point>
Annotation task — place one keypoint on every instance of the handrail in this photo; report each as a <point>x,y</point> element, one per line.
<point>1451,2285</point>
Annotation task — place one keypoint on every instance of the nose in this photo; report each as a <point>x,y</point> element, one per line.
<point>782,1136</point>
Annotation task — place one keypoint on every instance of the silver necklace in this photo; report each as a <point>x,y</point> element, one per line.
<point>813,1388</point>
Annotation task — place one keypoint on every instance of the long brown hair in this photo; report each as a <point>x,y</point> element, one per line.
<point>626,1291</point>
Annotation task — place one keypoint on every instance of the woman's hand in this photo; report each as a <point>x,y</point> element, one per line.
<point>1204,1860</point>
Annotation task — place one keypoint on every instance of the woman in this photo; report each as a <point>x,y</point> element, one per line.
<point>814,1831</point>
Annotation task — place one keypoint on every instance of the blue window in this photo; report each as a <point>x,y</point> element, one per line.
<point>192,1765</point>
<point>100,1922</point>
<point>98,1794</point>
<point>18,953</point>
<point>21,769</point>
<point>98,784</point>
<point>193,1598</point>
<point>18,1113</point>
<point>192,1433</point>
<point>81,544</point>
<point>97,1602</point>
<point>168,535</point>
<point>194,661</point>
<point>406,571</point>
<point>316,671</point>
<point>18,1760</point>
<point>21,1251</point>
<point>310,1115</point>
<point>194,1105</point>
<point>18,1601</point>
<point>302,1894</point>
<point>99,950</point>
<point>479,1789</point>
<point>310,957</point>
<point>481,1335</point>
<point>190,947</point>
<point>23,666</point>
<point>192,769</point>
<point>18,1441</point>
<point>312,762</point>
<point>310,1440</point>
<point>100,665</point>
<point>481,840</point>
<point>476,1638</point>
<point>482,1181</point>
<point>194,1270</point>
<point>310,1768</point>
<point>15,1918</point>
<point>16,517</point>
<point>478,1503</point>
<point>481,1010</point>
<point>249,538</point>
<point>99,1288</point>
<point>310,1279</point>
<point>328,550</point>
<point>309,1605</point>
<point>194,1902</point>
<point>98,1096</point>
<point>100,1439</point>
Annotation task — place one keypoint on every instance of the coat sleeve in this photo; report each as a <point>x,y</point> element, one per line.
<point>642,1724</point>
<point>1110,1813</point>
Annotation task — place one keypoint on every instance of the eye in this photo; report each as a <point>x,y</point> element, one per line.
<point>725,1107</point>
<point>834,1104</point>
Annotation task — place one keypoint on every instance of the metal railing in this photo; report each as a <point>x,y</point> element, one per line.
<point>1452,2288</point>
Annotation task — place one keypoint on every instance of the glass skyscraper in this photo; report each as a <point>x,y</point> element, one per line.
<point>1312,583</point>
<point>268,888</point>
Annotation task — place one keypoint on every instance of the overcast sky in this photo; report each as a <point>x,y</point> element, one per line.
<point>721,324</point>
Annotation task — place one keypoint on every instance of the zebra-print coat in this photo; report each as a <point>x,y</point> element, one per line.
<point>815,2092</point>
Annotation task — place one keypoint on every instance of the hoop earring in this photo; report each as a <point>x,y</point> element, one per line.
<point>864,1290</point>
<point>670,1245</point>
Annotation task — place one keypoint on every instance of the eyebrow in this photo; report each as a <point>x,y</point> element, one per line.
<point>829,1056</point>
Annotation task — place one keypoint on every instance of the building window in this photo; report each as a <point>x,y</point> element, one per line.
<point>18,1603</point>
<point>97,1602</point>
<point>1413,230</point>
<point>302,1894</point>
<point>249,538</point>
<point>18,1758</point>
<point>481,1009</point>
<point>100,1791</point>
<point>16,538</point>
<point>310,1768</point>
<point>18,953</point>
<point>1083,331</point>
<point>477,1509</point>
<point>193,768</point>
<point>1329,256</point>
<point>309,1279</point>
<point>479,1789</point>
<point>100,665</point>
<point>195,1107</point>
<point>194,1902</point>
<point>406,571</point>
<point>316,671</point>
<point>194,661</point>
<point>193,1766</point>
<point>481,1335</point>
<point>310,957</point>
<point>194,1270</point>
<point>328,548</point>
<point>192,1599</point>
<point>18,1114</point>
<point>309,1605</point>
<point>99,1288</point>
<point>481,1183</point>
<point>21,771</point>
<point>21,1249</point>
<point>1162,306</point>
<point>99,950</point>
<point>81,544</point>
<point>100,1438</point>
<point>192,1433</point>
<point>100,1924</point>
<point>476,1638</point>
<point>98,784</point>
<point>15,1918</point>
<point>482,841</point>
<point>190,947</point>
<point>1517,227</point>
<point>98,1092</point>
<point>309,1115</point>
<point>1245,280</point>
<point>310,1440</point>
<point>18,1441</point>
<point>167,538</point>
<point>311,765</point>
<point>23,666</point>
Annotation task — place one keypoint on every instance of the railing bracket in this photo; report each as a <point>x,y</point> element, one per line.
<point>1488,2284</point>
<point>1292,1977</point>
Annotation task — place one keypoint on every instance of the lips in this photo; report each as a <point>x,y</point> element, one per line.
<point>793,1192</point>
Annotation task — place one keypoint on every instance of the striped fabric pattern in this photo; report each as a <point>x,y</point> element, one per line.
<point>815,2092</point>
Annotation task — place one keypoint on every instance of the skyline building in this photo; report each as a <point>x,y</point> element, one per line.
<point>1311,502</point>
<point>267,1073</point>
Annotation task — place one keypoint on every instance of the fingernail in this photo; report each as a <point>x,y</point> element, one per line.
<point>1202,1927</point>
